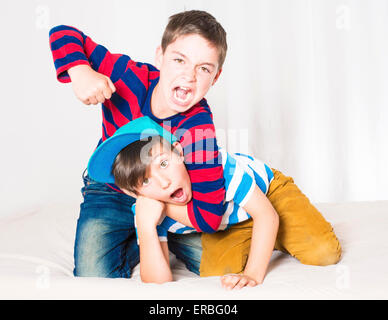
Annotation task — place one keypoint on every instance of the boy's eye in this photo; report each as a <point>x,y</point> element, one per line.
<point>205,69</point>
<point>164,163</point>
<point>146,181</point>
<point>178,60</point>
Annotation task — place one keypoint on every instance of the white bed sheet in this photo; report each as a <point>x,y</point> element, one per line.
<point>36,262</point>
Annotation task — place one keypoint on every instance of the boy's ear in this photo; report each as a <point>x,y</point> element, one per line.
<point>178,147</point>
<point>158,57</point>
<point>216,77</point>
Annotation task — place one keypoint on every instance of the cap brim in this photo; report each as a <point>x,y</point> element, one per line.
<point>101,162</point>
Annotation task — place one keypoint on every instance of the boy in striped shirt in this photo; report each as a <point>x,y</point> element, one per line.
<point>147,162</point>
<point>188,62</point>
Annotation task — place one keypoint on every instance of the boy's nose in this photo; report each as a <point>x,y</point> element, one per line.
<point>164,181</point>
<point>190,74</point>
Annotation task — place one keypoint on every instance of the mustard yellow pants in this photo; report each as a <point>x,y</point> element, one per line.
<point>303,233</point>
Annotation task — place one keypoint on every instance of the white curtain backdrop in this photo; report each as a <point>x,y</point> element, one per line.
<point>309,79</point>
<point>304,87</point>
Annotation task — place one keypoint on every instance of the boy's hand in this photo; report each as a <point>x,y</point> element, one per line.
<point>148,212</point>
<point>90,86</point>
<point>237,281</point>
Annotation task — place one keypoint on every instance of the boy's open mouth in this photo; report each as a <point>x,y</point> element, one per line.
<point>182,95</point>
<point>179,195</point>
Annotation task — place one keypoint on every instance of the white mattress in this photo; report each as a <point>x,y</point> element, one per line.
<point>36,262</point>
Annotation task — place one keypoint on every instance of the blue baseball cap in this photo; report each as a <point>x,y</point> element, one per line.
<point>101,162</point>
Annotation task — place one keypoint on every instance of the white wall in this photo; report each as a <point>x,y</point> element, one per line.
<point>306,80</point>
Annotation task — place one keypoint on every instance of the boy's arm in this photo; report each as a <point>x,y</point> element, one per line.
<point>88,65</point>
<point>204,166</point>
<point>70,47</point>
<point>264,232</point>
<point>154,255</point>
<point>154,259</point>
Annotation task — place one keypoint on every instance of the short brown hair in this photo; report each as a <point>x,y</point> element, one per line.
<point>196,22</point>
<point>129,168</point>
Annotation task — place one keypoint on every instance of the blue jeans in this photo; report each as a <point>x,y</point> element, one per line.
<point>105,243</point>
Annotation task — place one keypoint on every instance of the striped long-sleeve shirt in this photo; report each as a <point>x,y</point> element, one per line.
<point>242,173</point>
<point>135,82</point>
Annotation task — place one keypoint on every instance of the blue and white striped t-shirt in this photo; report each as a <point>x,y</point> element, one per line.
<point>241,173</point>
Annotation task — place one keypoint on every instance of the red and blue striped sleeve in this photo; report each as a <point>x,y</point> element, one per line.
<point>204,165</point>
<point>71,47</point>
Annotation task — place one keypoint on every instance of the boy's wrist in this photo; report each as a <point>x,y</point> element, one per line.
<point>255,276</point>
<point>146,228</point>
<point>147,234</point>
<point>76,70</point>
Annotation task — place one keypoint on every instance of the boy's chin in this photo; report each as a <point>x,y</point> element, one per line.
<point>178,203</point>
<point>179,109</point>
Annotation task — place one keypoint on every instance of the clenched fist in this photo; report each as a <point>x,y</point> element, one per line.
<point>90,86</point>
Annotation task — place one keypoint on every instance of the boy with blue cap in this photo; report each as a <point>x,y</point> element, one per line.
<point>147,162</point>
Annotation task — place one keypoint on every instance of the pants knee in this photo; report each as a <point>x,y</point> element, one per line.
<point>323,254</point>
<point>102,251</point>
